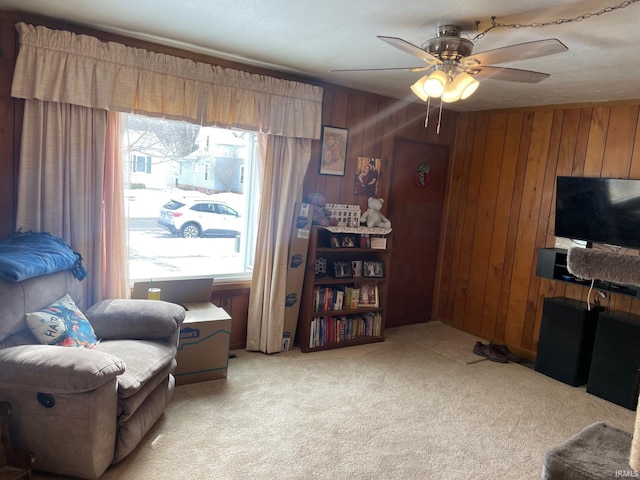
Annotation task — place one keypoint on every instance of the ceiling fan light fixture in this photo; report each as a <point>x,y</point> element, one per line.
<point>451,93</point>
<point>435,84</point>
<point>466,84</point>
<point>419,90</point>
<point>462,86</point>
<point>470,89</point>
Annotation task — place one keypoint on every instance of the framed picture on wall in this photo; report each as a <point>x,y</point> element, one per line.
<point>367,175</point>
<point>333,151</point>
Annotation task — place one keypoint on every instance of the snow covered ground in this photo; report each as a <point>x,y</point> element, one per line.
<point>154,253</point>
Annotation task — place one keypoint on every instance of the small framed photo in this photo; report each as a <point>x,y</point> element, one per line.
<point>334,151</point>
<point>372,269</point>
<point>348,241</point>
<point>368,295</point>
<point>365,241</point>
<point>356,266</point>
<point>379,242</point>
<point>334,240</point>
<point>367,175</point>
<point>342,270</point>
<point>321,267</point>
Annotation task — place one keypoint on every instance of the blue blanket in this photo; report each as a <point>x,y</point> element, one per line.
<point>30,254</point>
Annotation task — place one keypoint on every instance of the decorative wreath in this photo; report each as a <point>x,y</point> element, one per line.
<point>422,176</point>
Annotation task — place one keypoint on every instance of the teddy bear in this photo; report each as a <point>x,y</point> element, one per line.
<point>321,215</point>
<point>372,217</point>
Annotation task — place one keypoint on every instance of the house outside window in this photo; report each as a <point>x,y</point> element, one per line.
<point>141,163</point>
<point>216,209</point>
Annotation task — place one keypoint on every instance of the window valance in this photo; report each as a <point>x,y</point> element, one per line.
<point>60,66</point>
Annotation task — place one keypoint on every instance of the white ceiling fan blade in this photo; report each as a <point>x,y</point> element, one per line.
<point>406,69</point>
<point>411,49</point>
<point>508,74</point>
<point>520,51</point>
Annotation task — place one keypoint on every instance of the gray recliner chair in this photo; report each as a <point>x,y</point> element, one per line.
<point>78,410</point>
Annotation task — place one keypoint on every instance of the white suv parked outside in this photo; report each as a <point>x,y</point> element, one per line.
<point>197,218</point>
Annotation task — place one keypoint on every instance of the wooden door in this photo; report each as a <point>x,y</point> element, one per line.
<point>415,213</point>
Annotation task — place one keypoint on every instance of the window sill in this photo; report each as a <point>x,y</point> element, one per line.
<point>226,284</point>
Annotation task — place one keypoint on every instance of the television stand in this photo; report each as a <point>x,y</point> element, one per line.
<point>552,264</point>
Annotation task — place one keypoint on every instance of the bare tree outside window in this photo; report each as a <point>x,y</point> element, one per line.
<point>164,140</point>
<point>225,170</point>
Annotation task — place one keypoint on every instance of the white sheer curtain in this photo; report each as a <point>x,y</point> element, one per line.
<point>64,68</point>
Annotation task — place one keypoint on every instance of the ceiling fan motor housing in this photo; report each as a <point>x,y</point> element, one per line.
<point>448,45</point>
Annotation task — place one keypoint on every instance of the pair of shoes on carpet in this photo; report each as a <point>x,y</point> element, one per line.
<point>495,352</point>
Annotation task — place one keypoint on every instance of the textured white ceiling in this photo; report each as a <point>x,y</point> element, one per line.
<point>312,37</point>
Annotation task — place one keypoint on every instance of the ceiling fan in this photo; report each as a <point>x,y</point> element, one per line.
<point>453,70</point>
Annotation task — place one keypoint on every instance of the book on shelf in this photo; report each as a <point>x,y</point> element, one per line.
<point>334,329</point>
<point>338,298</point>
<point>351,297</point>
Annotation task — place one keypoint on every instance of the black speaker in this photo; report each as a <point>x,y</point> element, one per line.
<point>566,339</point>
<point>616,359</point>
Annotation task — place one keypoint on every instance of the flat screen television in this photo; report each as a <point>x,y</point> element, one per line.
<point>598,210</point>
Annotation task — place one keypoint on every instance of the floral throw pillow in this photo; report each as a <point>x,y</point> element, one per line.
<point>62,323</point>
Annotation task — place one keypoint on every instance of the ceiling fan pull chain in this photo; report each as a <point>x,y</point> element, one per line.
<point>439,119</point>
<point>558,21</point>
<point>426,118</point>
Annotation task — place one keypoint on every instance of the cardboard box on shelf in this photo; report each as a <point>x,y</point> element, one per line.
<point>297,262</point>
<point>203,353</point>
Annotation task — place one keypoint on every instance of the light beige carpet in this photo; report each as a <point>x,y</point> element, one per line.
<point>447,341</point>
<point>391,410</point>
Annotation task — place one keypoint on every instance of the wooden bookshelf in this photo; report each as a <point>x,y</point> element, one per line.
<point>329,317</point>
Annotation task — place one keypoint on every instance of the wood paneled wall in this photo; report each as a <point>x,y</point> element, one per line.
<point>234,299</point>
<point>9,139</point>
<point>373,122</point>
<point>500,208</point>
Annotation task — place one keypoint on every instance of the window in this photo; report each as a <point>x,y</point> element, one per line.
<point>141,163</point>
<point>195,213</point>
